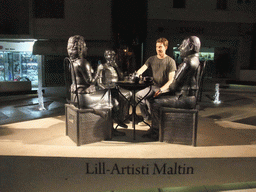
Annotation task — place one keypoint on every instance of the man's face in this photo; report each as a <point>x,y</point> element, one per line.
<point>160,48</point>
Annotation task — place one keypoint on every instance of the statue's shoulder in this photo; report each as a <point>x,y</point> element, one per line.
<point>83,62</point>
<point>77,62</point>
<point>194,62</point>
<point>87,63</point>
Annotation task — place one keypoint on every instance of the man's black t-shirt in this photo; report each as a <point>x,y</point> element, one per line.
<point>161,69</point>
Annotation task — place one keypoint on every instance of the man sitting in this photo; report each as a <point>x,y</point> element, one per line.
<point>163,68</point>
<point>182,91</point>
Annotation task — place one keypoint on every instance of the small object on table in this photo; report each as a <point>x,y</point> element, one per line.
<point>148,79</point>
<point>133,78</point>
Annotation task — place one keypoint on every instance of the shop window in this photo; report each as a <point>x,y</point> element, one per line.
<point>2,67</point>
<point>222,4</point>
<point>179,3</point>
<point>205,54</point>
<point>243,1</point>
<point>49,9</point>
<point>17,66</point>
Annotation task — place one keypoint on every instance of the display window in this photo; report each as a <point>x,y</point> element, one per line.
<point>205,54</point>
<point>18,65</point>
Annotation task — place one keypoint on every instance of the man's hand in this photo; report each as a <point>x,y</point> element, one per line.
<point>157,93</point>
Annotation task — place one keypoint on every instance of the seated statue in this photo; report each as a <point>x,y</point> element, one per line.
<point>83,92</point>
<point>108,77</point>
<point>182,91</point>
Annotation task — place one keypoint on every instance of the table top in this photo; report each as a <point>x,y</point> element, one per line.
<point>133,86</point>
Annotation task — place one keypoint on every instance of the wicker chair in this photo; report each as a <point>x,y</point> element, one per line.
<point>180,125</point>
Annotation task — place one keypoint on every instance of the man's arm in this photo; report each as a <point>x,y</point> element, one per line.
<point>142,69</point>
<point>165,88</point>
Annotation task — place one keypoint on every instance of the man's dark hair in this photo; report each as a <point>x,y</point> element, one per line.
<point>162,40</point>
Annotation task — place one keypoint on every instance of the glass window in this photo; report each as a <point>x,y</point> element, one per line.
<point>179,3</point>
<point>49,9</point>
<point>2,68</point>
<point>19,66</point>
<point>205,54</point>
<point>243,1</point>
<point>222,4</point>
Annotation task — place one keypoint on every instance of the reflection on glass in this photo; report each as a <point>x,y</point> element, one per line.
<point>2,68</point>
<point>19,66</point>
<point>206,54</point>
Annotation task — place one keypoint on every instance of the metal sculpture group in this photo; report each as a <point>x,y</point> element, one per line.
<point>97,90</point>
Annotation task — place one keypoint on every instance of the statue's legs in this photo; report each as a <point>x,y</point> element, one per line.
<point>96,100</point>
<point>171,101</point>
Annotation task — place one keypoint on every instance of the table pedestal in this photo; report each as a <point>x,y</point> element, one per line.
<point>134,88</point>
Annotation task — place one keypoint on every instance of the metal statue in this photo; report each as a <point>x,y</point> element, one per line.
<point>83,91</point>
<point>108,77</point>
<point>110,73</point>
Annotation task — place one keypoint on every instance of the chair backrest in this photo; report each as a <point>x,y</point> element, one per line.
<point>199,78</point>
<point>70,77</point>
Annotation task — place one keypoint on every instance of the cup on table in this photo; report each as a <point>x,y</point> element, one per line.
<point>148,79</point>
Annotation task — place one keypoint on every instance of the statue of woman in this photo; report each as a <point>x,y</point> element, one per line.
<point>83,92</point>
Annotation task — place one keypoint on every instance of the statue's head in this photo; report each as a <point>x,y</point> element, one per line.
<point>76,47</point>
<point>109,55</point>
<point>189,46</point>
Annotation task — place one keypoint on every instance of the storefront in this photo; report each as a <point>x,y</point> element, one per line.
<point>17,63</point>
<point>206,54</point>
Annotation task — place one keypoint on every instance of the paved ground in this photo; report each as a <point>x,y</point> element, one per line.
<point>26,107</point>
<point>226,131</point>
<point>230,123</point>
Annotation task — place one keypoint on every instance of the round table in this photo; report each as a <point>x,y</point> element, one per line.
<point>133,87</point>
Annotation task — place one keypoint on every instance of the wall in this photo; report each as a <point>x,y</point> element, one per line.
<point>248,75</point>
<point>212,34</point>
<point>224,29</point>
<point>15,17</point>
<point>205,11</point>
<point>92,19</point>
